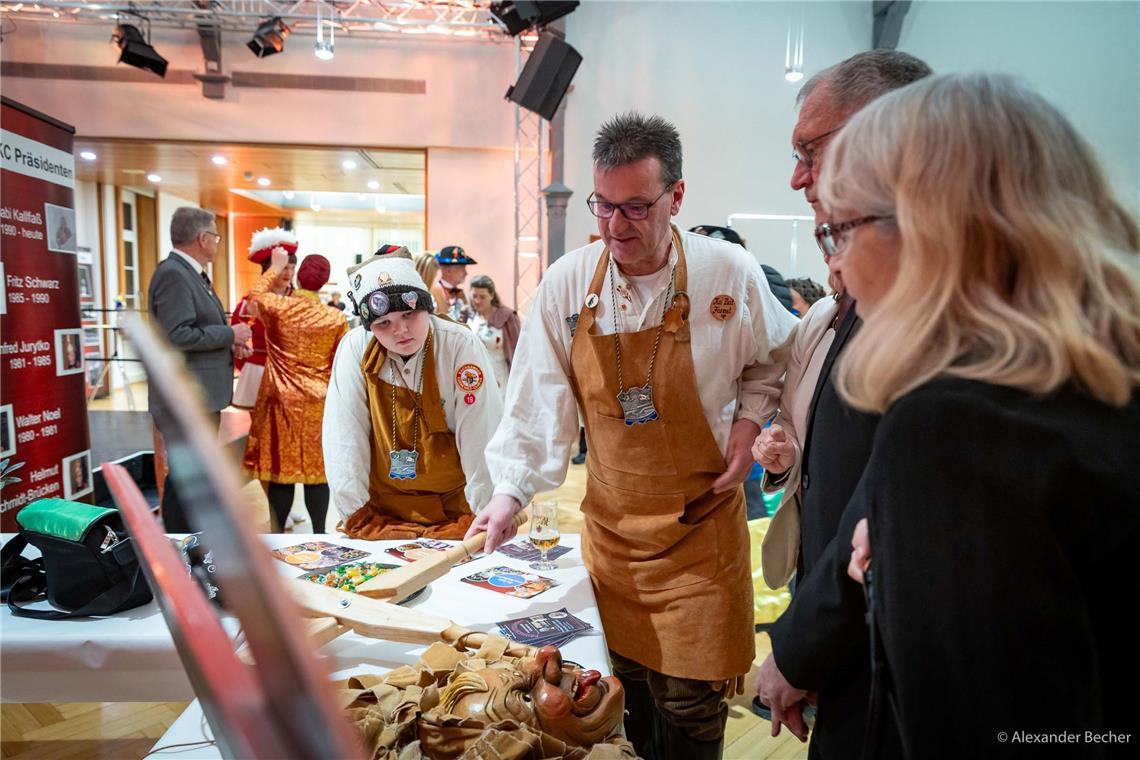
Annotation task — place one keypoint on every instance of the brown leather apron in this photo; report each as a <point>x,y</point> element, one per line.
<point>669,559</point>
<point>432,504</point>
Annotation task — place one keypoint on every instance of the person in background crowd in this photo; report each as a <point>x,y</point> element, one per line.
<point>189,313</point>
<point>411,407</point>
<point>805,292</point>
<point>428,269</point>
<point>775,279</point>
<point>335,302</point>
<point>301,336</point>
<point>669,343</point>
<point>816,450</point>
<point>450,298</point>
<point>1004,356</point>
<point>496,325</point>
<point>252,368</point>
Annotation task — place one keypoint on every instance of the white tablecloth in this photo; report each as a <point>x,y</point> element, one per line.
<point>130,657</point>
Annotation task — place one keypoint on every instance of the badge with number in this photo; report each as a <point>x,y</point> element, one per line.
<point>637,405</point>
<point>403,464</point>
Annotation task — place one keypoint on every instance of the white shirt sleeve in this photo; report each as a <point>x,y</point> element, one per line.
<point>473,424</point>
<point>773,331</point>
<point>531,449</point>
<point>346,432</point>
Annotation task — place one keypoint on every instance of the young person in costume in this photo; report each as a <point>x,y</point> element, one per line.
<point>411,407</point>
<point>252,368</point>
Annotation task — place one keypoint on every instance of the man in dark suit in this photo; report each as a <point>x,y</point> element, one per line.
<point>185,307</point>
<point>820,644</point>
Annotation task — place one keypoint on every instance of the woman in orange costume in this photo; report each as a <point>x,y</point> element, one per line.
<point>252,368</point>
<point>301,336</point>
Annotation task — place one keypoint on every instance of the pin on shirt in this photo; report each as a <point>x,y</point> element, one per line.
<point>591,300</point>
<point>469,399</point>
<point>722,307</point>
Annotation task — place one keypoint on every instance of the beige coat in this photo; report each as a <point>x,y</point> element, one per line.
<point>781,547</point>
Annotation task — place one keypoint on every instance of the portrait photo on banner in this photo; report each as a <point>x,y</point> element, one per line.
<point>60,222</point>
<point>77,475</point>
<point>7,431</point>
<point>86,293</point>
<point>69,351</point>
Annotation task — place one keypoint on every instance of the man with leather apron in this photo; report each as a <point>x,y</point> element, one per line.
<point>669,344</point>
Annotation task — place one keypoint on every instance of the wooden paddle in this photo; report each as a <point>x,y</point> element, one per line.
<point>338,611</point>
<point>399,584</point>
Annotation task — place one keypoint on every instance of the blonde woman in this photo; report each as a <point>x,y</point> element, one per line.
<point>998,282</point>
<point>428,269</point>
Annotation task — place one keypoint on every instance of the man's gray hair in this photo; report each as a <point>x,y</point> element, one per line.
<point>630,137</point>
<point>188,223</point>
<point>857,81</point>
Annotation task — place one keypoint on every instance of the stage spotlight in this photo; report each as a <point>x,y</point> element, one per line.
<point>269,37</point>
<point>136,51</point>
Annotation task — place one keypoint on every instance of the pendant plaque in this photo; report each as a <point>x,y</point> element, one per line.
<point>403,464</point>
<point>637,405</point>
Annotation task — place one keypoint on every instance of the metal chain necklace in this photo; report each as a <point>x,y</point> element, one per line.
<point>637,402</point>
<point>402,462</point>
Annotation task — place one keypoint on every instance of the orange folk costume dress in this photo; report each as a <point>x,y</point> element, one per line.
<point>301,336</point>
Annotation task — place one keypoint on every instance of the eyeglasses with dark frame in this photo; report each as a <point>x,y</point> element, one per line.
<point>800,153</point>
<point>833,237</point>
<point>635,212</point>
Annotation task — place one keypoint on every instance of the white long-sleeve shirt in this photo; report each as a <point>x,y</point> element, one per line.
<point>738,362</point>
<point>347,428</point>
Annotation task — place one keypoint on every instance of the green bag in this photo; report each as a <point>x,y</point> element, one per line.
<point>87,563</point>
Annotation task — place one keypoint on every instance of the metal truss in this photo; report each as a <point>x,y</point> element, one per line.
<point>530,171</point>
<point>459,19</point>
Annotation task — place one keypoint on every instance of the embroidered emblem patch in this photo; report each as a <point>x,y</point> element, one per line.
<point>572,320</point>
<point>722,307</point>
<point>384,279</point>
<point>469,378</point>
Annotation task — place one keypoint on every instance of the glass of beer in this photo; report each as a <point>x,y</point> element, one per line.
<point>544,531</point>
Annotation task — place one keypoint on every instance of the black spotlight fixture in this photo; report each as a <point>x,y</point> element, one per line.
<point>269,37</point>
<point>137,51</point>
<point>519,15</point>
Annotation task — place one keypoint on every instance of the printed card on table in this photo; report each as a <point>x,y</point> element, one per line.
<point>525,551</point>
<point>422,548</point>
<point>315,555</point>
<point>509,581</point>
<point>553,628</point>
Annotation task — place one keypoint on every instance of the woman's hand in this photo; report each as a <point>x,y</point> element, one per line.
<point>860,551</point>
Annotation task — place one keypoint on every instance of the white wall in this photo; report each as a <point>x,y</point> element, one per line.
<point>1084,56</point>
<point>715,70</point>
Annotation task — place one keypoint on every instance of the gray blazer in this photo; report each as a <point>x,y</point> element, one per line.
<point>192,317</point>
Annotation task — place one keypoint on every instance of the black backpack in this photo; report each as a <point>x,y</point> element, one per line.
<point>87,564</point>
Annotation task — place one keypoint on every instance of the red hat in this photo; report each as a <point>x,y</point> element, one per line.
<point>265,240</point>
<point>313,272</point>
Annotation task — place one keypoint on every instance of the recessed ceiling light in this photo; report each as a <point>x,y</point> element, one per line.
<point>154,178</point>
<point>88,155</point>
<point>220,160</point>
<point>373,185</point>
<point>288,194</point>
<point>348,163</point>
<point>263,181</point>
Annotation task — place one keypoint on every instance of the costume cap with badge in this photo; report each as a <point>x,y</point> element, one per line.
<point>388,282</point>
<point>263,242</point>
<point>453,254</point>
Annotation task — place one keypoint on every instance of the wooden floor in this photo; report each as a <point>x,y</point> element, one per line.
<point>129,730</point>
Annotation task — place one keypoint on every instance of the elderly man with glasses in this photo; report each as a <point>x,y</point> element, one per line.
<point>184,305</point>
<point>816,451</point>
<point>667,342</point>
